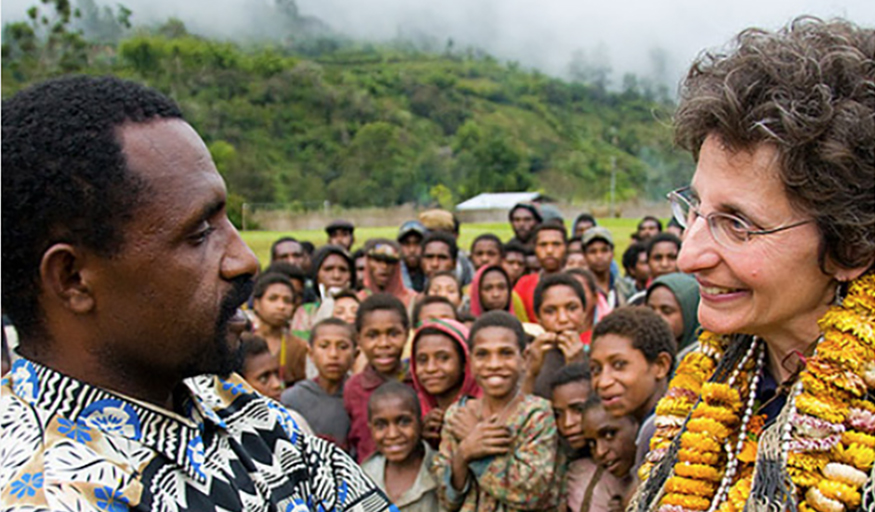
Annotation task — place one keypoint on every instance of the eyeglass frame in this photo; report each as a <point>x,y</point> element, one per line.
<point>675,197</point>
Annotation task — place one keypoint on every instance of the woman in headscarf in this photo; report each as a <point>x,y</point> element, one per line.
<point>675,297</point>
<point>491,289</point>
<point>441,373</point>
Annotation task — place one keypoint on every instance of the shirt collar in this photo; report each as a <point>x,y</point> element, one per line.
<point>177,436</point>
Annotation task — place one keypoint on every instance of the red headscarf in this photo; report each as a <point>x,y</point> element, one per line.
<point>476,307</point>
<point>457,332</point>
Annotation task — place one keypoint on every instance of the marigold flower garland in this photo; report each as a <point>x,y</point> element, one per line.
<point>829,442</point>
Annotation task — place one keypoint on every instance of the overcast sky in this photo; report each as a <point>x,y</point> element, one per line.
<point>542,34</point>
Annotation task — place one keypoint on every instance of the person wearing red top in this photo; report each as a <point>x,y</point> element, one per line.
<point>550,248</point>
<point>383,327</point>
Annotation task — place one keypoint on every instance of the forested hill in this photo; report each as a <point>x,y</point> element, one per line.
<point>361,125</point>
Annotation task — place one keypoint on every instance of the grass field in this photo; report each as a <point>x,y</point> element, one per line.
<point>260,241</point>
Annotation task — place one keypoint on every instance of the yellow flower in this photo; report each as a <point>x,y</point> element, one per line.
<point>803,478</point>
<point>671,406</point>
<point>848,321</point>
<point>808,461</point>
<point>861,294</point>
<point>823,407</point>
<point>851,436</point>
<point>857,455</point>
<point>692,486</point>
<point>721,414</point>
<point>698,457</point>
<point>739,492</point>
<point>699,442</point>
<point>705,425</point>
<point>714,393</point>
<point>686,501</point>
<point>840,492</point>
<point>700,471</point>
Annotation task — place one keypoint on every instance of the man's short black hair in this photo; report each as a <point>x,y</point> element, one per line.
<point>430,299</point>
<point>498,318</point>
<point>381,302</point>
<point>290,270</point>
<point>251,345</point>
<point>514,246</point>
<point>440,236</point>
<point>550,225</point>
<point>267,279</point>
<point>558,279</point>
<point>393,388</point>
<point>331,321</point>
<point>490,237</point>
<point>631,254</point>
<point>588,217</point>
<point>662,237</point>
<point>651,218</point>
<point>308,247</point>
<point>574,372</point>
<point>279,241</point>
<point>647,331</point>
<point>65,177</point>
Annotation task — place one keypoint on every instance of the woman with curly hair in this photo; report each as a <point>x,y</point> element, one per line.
<point>772,412</point>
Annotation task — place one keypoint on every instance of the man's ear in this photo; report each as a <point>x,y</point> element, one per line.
<point>62,278</point>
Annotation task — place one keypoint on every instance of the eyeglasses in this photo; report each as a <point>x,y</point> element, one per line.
<point>728,230</point>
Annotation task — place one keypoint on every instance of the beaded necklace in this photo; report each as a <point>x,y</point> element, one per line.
<point>827,441</point>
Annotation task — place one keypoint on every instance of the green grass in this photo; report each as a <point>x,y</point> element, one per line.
<point>260,241</point>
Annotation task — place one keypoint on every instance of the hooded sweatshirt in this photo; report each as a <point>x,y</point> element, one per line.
<point>457,332</point>
<point>515,303</point>
<point>319,258</point>
<point>686,291</point>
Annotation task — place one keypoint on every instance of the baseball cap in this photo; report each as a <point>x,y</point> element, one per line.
<point>339,224</point>
<point>597,233</point>
<point>411,226</point>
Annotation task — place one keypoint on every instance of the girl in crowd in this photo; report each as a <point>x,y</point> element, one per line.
<point>499,452</point>
<point>611,441</point>
<point>491,290</point>
<point>441,374</point>
<point>333,270</point>
<point>446,284</point>
<point>675,297</point>
<point>272,308</point>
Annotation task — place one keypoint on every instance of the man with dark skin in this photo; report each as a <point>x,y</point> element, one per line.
<point>550,239</point>
<point>514,261</point>
<point>126,279</point>
<point>598,247</point>
<point>524,217</point>
<point>342,233</point>
<point>439,253</point>
<point>410,237</point>
<point>288,249</point>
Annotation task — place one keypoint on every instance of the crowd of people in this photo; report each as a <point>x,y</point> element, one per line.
<point>515,375</point>
<point>727,365</point>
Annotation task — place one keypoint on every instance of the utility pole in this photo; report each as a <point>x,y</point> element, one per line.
<point>613,131</point>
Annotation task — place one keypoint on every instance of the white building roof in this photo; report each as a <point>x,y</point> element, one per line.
<point>497,200</point>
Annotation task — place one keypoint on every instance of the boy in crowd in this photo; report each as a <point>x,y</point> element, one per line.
<point>439,253</point>
<point>410,239</point>
<point>648,228</point>
<point>332,349</point>
<point>514,261</point>
<point>431,307</point>
<point>342,233</point>
<point>662,254</point>
<point>383,328</point>
<point>401,464</point>
<point>636,266</point>
<point>561,308</point>
<point>598,247</point>
<point>550,239</point>
<point>486,249</point>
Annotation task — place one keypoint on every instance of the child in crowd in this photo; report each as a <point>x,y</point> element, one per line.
<point>346,304</point>
<point>332,349</point>
<point>499,452</point>
<point>611,440</point>
<point>675,297</point>
<point>491,290</point>
<point>273,306</point>
<point>631,359</point>
<point>560,303</point>
<point>446,284</point>
<point>260,369</point>
<point>486,249</point>
<point>382,326</point>
<point>400,466</point>
<point>589,486</point>
<point>440,371</point>
<point>431,307</point>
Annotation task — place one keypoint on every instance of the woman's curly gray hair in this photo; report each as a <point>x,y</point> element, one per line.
<point>809,90</point>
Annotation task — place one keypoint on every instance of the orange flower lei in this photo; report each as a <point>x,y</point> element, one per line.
<point>830,448</point>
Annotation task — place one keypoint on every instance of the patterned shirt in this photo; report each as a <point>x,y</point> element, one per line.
<point>70,446</point>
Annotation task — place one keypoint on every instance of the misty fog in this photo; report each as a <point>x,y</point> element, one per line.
<point>651,39</point>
